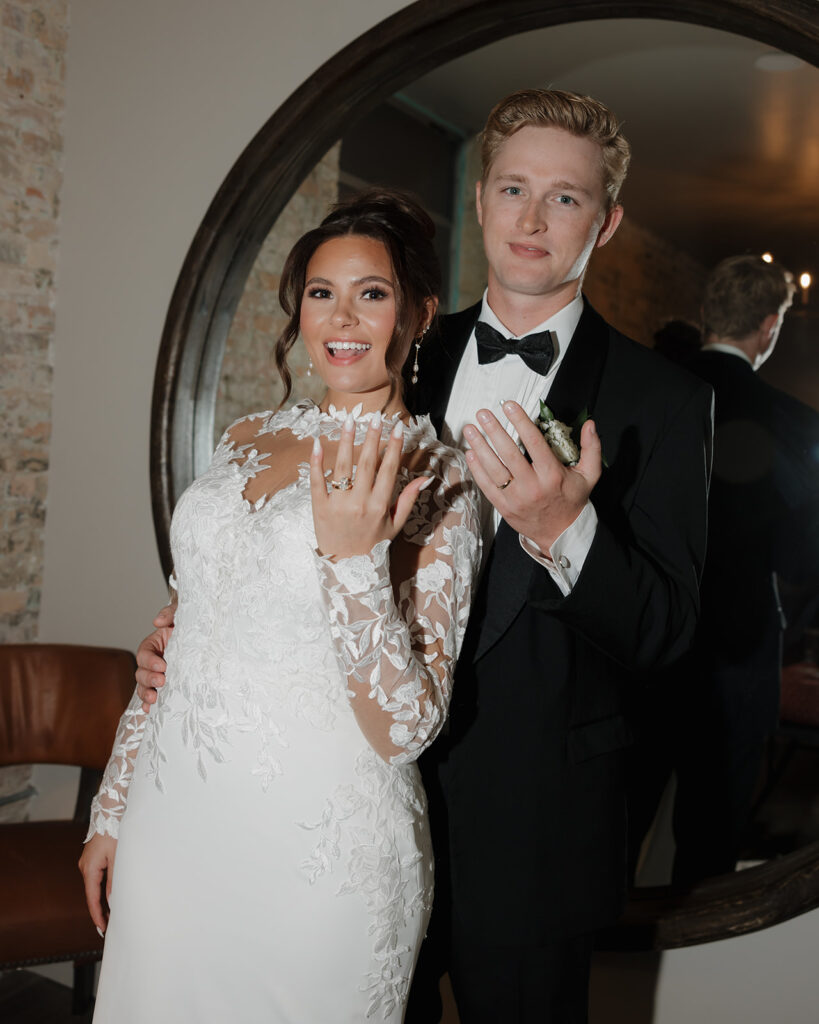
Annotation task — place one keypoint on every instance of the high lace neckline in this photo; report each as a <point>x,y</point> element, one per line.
<point>307,419</point>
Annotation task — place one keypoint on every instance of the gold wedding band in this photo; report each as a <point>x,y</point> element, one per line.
<point>502,487</point>
<point>344,484</point>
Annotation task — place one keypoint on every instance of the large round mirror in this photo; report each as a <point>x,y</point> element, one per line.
<point>722,147</point>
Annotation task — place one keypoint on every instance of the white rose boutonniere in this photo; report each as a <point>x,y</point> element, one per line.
<point>560,436</point>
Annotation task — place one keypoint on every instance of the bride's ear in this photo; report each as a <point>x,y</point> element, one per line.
<point>430,309</point>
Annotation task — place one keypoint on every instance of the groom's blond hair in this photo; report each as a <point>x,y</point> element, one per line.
<point>583,116</point>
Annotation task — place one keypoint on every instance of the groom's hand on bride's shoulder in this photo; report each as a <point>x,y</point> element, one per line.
<point>150,673</point>
<point>538,498</point>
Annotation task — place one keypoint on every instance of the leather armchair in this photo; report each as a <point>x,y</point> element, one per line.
<point>59,704</point>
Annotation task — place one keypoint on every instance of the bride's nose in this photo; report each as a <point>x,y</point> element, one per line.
<point>344,315</point>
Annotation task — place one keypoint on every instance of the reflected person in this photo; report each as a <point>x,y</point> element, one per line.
<point>763,525</point>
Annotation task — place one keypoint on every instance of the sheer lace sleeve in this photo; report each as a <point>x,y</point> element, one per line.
<point>398,615</point>
<point>108,805</point>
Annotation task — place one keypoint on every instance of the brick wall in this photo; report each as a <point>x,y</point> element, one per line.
<point>249,381</point>
<point>638,281</point>
<point>33,40</point>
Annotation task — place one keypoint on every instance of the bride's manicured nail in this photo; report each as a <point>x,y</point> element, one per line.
<point>316,446</point>
<point>398,429</point>
<point>426,483</point>
<point>349,423</point>
<point>375,423</point>
<point>100,932</point>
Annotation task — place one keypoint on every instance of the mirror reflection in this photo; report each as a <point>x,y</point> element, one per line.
<point>725,161</point>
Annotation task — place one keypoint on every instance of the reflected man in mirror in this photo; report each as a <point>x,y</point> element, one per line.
<point>723,701</point>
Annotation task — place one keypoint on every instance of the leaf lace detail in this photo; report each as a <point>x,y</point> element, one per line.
<point>363,818</point>
<point>109,804</point>
<point>398,656</point>
<point>299,691</point>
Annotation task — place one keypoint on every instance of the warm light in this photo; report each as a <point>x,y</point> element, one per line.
<point>778,62</point>
<point>805,280</point>
<point>767,257</point>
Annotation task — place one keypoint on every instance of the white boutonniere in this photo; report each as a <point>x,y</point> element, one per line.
<point>560,436</point>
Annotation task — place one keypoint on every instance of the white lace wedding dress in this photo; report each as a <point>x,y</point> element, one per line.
<point>271,867</point>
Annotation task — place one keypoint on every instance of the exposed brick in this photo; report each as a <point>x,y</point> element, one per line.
<point>12,601</point>
<point>33,42</point>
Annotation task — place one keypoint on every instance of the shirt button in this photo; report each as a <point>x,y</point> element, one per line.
<point>564,562</point>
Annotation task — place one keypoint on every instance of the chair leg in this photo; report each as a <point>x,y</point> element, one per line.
<point>83,998</point>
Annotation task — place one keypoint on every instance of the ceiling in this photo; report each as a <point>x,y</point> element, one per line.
<point>725,154</point>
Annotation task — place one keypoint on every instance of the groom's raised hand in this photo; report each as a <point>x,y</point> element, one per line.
<point>541,498</point>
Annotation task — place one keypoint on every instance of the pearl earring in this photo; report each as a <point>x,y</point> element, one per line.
<point>418,340</point>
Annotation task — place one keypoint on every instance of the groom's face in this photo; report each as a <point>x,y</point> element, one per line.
<point>543,211</point>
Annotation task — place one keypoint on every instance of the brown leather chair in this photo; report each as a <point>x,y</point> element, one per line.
<point>59,704</point>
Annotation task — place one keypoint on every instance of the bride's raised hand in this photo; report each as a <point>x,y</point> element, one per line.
<point>353,517</point>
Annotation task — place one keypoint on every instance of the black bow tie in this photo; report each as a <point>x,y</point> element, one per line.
<point>536,350</point>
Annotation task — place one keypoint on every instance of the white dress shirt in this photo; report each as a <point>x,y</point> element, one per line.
<point>485,386</point>
<point>728,350</point>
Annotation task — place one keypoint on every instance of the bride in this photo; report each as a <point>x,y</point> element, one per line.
<point>262,833</point>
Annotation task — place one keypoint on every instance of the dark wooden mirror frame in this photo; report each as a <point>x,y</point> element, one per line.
<point>383,60</point>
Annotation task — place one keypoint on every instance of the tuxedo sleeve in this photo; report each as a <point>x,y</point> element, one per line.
<point>637,596</point>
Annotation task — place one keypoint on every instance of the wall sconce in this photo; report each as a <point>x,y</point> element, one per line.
<point>805,283</point>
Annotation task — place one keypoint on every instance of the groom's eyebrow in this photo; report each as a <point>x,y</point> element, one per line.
<point>572,186</point>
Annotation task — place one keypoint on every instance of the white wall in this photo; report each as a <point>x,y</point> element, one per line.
<point>162,97</point>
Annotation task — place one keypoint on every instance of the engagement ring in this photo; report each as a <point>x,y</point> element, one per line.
<point>344,484</point>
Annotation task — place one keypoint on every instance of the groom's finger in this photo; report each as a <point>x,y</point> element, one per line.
<point>482,455</point>
<point>590,464</point>
<point>530,435</point>
<point>505,447</point>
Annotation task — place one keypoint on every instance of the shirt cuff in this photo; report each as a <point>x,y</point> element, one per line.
<point>567,555</point>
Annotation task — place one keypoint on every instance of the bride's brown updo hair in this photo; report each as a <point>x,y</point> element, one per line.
<point>396,219</point>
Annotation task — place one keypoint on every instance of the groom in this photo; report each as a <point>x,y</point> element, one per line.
<point>589,585</point>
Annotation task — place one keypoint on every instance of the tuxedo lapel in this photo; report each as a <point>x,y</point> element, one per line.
<point>577,381</point>
<point>509,571</point>
<point>503,589</point>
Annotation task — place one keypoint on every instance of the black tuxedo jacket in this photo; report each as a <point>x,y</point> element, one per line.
<point>531,772</point>
<point>763,519</point>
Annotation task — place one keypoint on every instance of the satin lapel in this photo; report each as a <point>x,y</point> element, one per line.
<point>504,587</point>
<point>439,364</point>
<point>577,381</point>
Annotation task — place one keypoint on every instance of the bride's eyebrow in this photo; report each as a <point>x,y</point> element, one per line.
<point>374,277</point>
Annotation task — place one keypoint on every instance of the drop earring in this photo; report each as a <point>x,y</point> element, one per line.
<point>418,341</point>
<point>309,368</point>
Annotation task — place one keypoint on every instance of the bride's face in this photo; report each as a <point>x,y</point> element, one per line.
<point>347,318</point>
